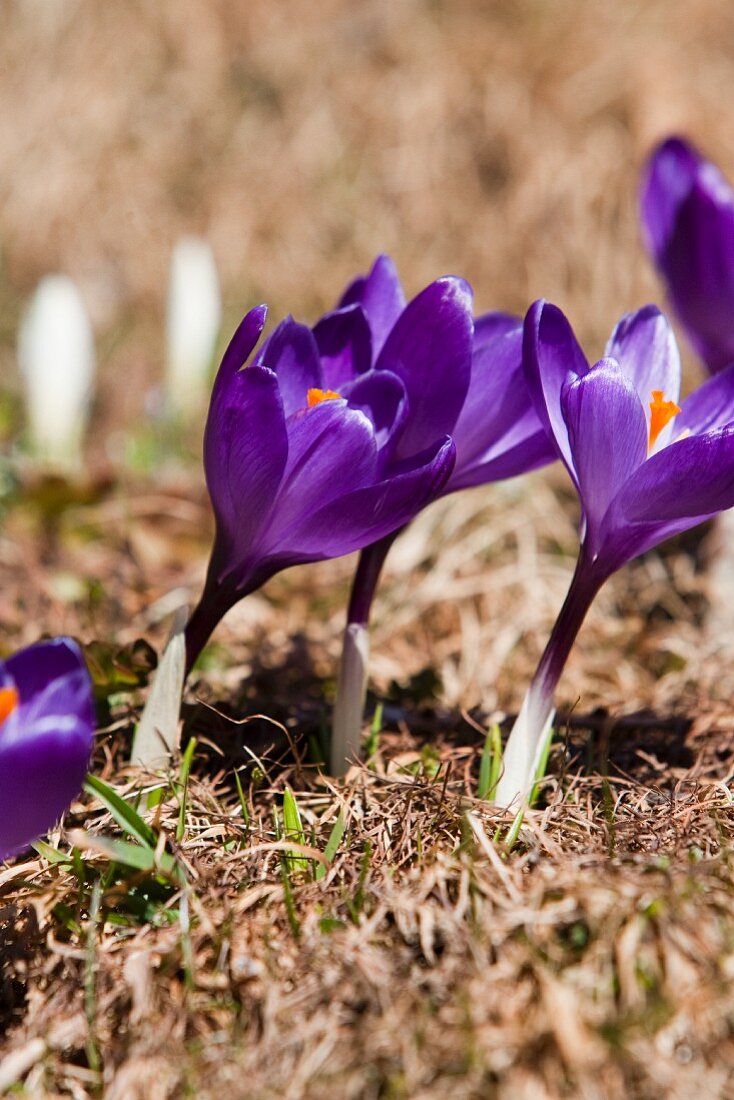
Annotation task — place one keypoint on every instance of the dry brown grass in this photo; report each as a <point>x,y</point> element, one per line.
<point>595,961</point>
<point>595,958</point>
<point>498,139</point>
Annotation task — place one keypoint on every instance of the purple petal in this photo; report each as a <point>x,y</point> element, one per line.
<point>680,486</point>
<point>39,779</point>
<point>607,432</point>
<point>381,297</point>
<point>498,433</point>
<point>498,399</point>
<point>365,515</point>
<point>45,744</point>
<point>430,350</point>
<point>491,325</point>
<point>644,346</point>
<point>687,210</point>
<point>517,453</point>
<point>245,454</point>
<point>290,351</point>
<point>381,395</point>
<point>551,358</point>
<point>345,346</point>
<point>698,266</point>
<point>239,348</point>
<point>710,406</point>
<point>39,666</point>
<point>667,180</point>
<point>331,451</point>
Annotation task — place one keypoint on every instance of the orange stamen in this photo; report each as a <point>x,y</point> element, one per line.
<point>9,700</point>
<point>315,397</point>
<point>661,413</point>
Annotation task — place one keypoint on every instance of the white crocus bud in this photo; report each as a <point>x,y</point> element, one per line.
<point>56,360</point>
<point>194,318</point>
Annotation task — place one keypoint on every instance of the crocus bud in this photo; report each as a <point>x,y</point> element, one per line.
<point>194,318</point>
<point>56,360</point>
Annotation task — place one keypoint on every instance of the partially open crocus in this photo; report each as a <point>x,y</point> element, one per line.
<point>46,731</point>
<point>645,464</point>
<point>474,390</point>
<point>687,212</point>
<point>304,456</point>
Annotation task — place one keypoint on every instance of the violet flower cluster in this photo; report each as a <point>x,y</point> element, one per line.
<point>330,439</point>
<point>311,452</point>
<point>336,436</point>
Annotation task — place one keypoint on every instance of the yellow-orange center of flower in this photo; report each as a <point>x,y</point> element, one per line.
<point>315,396</point>
<point>9,700</point>
<point>661,413</point>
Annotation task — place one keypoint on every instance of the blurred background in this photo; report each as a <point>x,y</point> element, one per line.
<point>498,140</point>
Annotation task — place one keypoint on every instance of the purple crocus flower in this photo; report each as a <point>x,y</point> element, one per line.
<point>47,726</point>
<point>687,212</point>
<point>644,467</point>
<point>479,398</point>
<point>305,450</point>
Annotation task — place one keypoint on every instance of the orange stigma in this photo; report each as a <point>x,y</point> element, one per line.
<point>315,396</point>
<point>661,413</point>
<point>9,700</point>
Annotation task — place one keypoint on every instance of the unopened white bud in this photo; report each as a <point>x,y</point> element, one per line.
<point>193,322</point>
<point>56,360</point>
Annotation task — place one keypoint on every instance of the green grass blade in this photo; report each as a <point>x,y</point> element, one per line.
<point>332,844</point>
<point>49,853</point>
<point>123,813</point>
<point>541,769</point>
<point>188,756</point>
<point>293,829</point>
<point>514,830</point>
<point>90,978</point>
<point>133,856</point>
<point>490,765</point>
<point>373,737</point>
<point>243,801</point>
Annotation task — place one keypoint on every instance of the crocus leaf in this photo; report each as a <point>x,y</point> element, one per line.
<point>157,734</point>
<point>124,814</point>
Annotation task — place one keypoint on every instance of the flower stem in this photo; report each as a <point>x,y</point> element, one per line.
<point>352,686</point>
<point>346,726</point>
<point>214,604</point>
<point>366,579</point>
<point>532,726</point>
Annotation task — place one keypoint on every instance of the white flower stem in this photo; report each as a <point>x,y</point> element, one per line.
<point>532,728</point>
<point>346,733</point>
<point>352,687</point>
<point>524,748</point>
